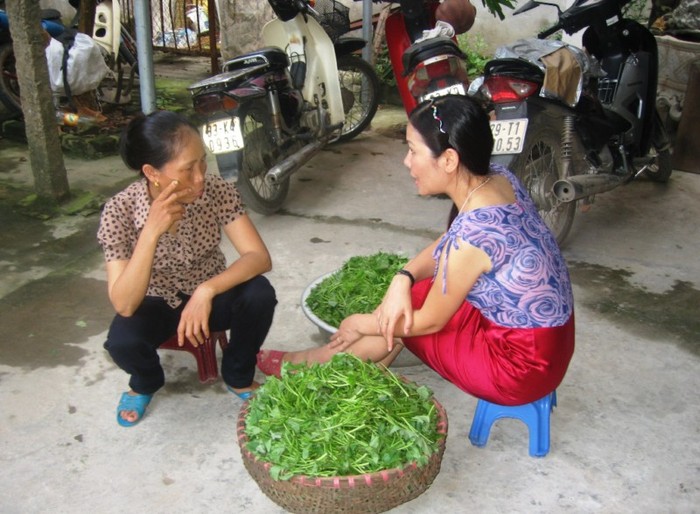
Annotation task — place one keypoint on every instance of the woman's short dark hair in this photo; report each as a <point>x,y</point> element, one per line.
<point>457,122</point>
<point>153,139</point>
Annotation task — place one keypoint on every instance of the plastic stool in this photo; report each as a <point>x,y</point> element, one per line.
<point>535,415</point>
<point>205,354</point>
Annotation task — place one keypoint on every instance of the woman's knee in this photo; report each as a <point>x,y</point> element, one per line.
<point>259,292</point>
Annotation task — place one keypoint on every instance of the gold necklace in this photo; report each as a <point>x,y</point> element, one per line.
<point>466,200</point>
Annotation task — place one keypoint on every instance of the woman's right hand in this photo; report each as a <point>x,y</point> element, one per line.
<point>395,306</point>
<point>166,209</point>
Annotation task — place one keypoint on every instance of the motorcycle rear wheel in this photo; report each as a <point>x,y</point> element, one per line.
<point>9,85</point>
<point>538,167</point>
<point>260,153</point>
<point>359,88</point>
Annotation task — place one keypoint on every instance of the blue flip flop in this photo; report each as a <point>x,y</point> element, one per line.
<point>246,395</point>
<point>136,403</point>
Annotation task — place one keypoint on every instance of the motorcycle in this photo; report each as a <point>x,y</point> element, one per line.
<point>426,61</point>
<point>270,111</point>
<point>573,124</point>
<point>117,46</point>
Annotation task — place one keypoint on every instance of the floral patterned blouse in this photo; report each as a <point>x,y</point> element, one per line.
<point>528,285</point>
<point>182,260</point>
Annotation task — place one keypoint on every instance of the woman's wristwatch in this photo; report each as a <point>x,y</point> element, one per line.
<point>408,274</point>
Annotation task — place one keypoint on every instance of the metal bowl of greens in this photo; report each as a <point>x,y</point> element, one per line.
<point>357,287</point>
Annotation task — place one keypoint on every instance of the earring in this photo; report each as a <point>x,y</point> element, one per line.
<point>156,183</point>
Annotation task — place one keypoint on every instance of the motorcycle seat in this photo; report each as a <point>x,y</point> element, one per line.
<point>514,67</point>
<point>269,57</point>
<point>429,48</point>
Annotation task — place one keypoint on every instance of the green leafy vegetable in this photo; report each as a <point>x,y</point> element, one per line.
<point>358,287</point>
<point>346,417</point>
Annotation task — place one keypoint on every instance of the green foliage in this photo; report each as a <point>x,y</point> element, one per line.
<point>495,6</point>
<point>345,417</point>
<point>382,66</point>
<point>474,47</point>
<point>637,10</point>
<point>357,288</point>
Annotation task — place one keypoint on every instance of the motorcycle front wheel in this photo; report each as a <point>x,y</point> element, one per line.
<point>359,88</point>
<point>538,167</point>
<point>260,153</point>
<point>9,85</point>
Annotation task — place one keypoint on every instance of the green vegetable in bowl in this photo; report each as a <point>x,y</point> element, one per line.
<point>357,288</point>
<point>345,417</point>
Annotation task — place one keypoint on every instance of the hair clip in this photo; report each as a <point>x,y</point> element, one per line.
<point>437,118</point>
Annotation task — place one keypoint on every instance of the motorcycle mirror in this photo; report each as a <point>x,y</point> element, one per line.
<point>532,4</point>
<point>526,7</point>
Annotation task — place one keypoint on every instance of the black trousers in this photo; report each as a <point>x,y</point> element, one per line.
<point>246,310</point>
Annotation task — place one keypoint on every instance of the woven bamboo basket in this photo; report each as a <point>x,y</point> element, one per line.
<point>361,494</point>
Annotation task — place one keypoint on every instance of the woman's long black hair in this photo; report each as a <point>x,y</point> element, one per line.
<point>460,123</point>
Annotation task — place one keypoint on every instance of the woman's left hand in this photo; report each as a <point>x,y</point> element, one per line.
<point>194,320</point>
<point>347,334</point>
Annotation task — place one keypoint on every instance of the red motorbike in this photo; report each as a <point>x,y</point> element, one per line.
<point>426,62</point>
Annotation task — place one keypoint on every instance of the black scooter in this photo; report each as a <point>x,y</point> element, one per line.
<point>572,124</point>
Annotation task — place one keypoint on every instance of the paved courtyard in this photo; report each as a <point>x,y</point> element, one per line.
<point>625,435</point>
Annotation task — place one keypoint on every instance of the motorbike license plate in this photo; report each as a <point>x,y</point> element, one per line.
<point>456,89</point>
<point>508,136</point>
<point>223,136</point>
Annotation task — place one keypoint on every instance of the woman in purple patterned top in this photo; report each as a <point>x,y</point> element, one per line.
<point>488,305</point>
<point>166,273</point>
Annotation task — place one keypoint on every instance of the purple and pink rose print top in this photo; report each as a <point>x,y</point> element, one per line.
<point>528,285</point>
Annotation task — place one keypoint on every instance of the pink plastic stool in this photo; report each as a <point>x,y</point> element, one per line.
<point>205,354</point>
<point>535,415</point>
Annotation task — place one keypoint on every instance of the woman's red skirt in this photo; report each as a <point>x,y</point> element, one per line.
<point>507,366</point>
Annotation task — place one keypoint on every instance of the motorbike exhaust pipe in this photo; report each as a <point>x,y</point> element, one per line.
<point>580,186</point>
<point>285,168</point>
<point>280,171</point>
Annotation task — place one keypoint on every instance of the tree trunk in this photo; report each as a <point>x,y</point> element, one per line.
<point>241,25</point>
<point>86,16</point>
<point>46,157</point>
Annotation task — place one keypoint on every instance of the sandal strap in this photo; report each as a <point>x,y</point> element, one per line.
<point>137,402</point>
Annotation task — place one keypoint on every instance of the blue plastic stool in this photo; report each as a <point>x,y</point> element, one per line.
<point>535,415</point>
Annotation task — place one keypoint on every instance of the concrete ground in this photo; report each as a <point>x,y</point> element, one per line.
<point>624,437</point>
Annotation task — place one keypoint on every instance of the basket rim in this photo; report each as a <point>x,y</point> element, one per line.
<point>345,480</point>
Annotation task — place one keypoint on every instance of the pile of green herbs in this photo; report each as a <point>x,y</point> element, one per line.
<point>345,417</point>
<point>356,288</point>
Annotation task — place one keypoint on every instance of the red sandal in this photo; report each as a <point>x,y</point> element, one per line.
<point>270,362</point>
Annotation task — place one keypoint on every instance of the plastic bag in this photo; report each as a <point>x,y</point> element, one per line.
<point>579,63</point>
<point>86,65</point>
